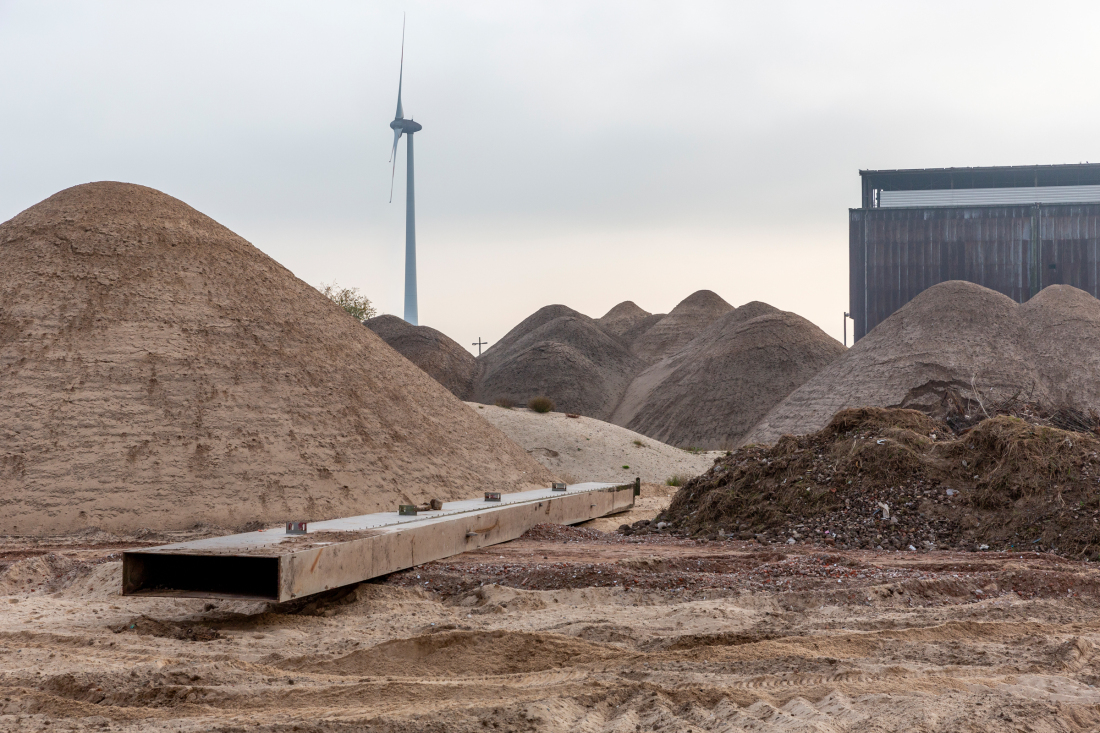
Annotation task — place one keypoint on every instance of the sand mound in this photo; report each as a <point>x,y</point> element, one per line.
<point>898,479</point>
<point>560,353</point>
<point>159,371</point>
<point>461,654</point>
<point>584,449</point>
<point>1062,327</point>
<point>686,321</point>
<point>714,390</point>
<point>442,358</point>
<point>623,317</point>
<point>954,342</point>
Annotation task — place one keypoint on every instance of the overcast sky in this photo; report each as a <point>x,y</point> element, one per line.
<point>582,153</point>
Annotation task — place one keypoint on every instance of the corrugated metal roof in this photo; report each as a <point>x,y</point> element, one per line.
<point>980,196</point>
<point>980,169</point>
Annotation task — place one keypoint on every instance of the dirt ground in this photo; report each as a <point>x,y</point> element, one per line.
<point>565,629</point>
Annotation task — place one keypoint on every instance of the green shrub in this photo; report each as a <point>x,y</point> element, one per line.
<point>350,300</point>
<point>541,404</point>
<point>676,480</point>
<point>504,402</point>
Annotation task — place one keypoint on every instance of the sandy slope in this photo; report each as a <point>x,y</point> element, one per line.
<point>584,449</point>
<point>570,630</point>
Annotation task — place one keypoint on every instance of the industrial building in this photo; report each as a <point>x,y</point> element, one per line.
<point>1014,229</point>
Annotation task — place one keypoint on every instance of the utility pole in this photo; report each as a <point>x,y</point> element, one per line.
<point>846,317</point>
<point>479,344</point>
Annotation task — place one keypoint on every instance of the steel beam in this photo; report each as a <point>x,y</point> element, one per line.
<point>272,565</point>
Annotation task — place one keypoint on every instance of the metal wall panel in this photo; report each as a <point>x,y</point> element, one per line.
<point>895,254</point>
<point>987,196</point>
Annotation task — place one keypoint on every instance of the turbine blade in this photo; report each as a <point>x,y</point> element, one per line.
<point>396,137</point>
<point>401,74</point>
<point>393,157</point>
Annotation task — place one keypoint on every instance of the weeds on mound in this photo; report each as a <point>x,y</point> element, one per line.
<point>541,404</point>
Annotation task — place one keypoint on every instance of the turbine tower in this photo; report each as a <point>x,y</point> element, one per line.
<point>408,127</point>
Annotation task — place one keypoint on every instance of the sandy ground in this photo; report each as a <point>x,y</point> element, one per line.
<point>566,629</point>
<point>585,449</point>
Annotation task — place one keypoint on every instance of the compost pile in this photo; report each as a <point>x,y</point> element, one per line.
<point>899,479</point>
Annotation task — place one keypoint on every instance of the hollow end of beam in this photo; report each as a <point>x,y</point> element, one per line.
<point>200,576</point>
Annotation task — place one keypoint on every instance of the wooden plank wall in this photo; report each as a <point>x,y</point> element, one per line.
<point>894,254</point>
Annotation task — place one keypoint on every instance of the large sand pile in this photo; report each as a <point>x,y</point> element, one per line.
<point>158,371</point>
<point>584,449</point>
<point>958,341</point>
<point>686,321</point>
<point>560,353</point>
<point>441,357</point>
<point>710,393</point>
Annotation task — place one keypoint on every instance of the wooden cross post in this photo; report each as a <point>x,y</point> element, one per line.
<point>479,344</point>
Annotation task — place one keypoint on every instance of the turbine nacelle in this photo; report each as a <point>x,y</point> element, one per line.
<point>406,126</point>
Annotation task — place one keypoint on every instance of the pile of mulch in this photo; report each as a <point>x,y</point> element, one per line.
<point>899,479</point>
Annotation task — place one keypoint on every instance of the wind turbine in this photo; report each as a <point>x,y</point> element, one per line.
<point>408,127</point>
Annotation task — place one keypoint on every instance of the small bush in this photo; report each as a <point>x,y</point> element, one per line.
<point>639,443</point>
<point>676,480</point>
<point>350,300</point>
<point>626,467</point>
<point>504,402</point>
<point>541,404</point>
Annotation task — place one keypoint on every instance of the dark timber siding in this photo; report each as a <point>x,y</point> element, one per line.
<point>894,254</point>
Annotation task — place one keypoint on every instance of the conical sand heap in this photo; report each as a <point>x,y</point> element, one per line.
<point>159,371</point>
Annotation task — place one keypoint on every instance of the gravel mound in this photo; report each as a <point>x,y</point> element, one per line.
<point>623,317</point>
<point>636,331</point>
<point>714,390</point>
<point>686,321</point>
<point>958,342</point>
<point>441,357</point>
<point>562,354</point>
<point>898,479</point>
<point>159,371</point>
<point>699,377</point>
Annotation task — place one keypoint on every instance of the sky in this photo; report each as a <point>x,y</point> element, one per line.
<point>582,153</point>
